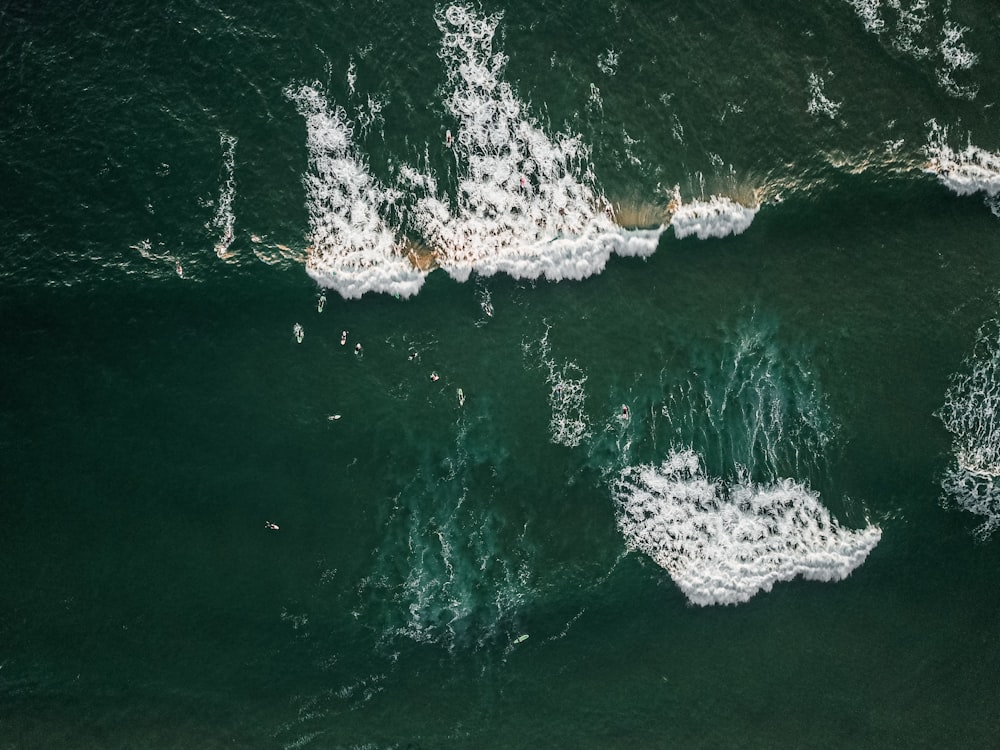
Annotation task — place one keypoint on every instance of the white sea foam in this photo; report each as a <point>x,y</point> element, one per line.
<point>819,104</point>
<point>716,217</point>
<point>224,221</point>
<point>722,543</point>
<point>955,56</point>
<point>967,171</point>
<point>971,412</point>
<point>869,11</point>
<point>920,32</point>
<point>526,203</point>
<point>569,424</point>
<point>353,250</point>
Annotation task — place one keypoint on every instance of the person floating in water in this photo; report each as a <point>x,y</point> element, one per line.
<point>271,526</point>
<point>343,337</point>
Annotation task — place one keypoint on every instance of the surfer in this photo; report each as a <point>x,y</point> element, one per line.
<point>625,414</point>
<point>322,302</point>
<point>434,377</point>
<point>413,355</point>
<point>271,526</point>
<point>357,348</point>
<point>447,138</point>
<point>343,337</point>
<point>299,333</point>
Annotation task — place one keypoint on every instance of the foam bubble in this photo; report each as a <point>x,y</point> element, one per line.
<point>965,172</point>
<point>723,543</point>
<point>353,250</point>
<point>716,217</point>
<point>970,412</point>
<point>224,221</point>
<point>526,204</point>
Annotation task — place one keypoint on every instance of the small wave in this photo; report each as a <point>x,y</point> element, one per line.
<point>716,217</point>
<point>353,250</point>
<point>965,172</point>
<point>723,543</point>
<point>224,221</point>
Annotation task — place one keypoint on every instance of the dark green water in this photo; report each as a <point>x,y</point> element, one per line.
<point>164,206</point>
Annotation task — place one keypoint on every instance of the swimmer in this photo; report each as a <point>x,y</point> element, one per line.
<point>343,337</point>
<point>434,376</point>
<point>271,526</point>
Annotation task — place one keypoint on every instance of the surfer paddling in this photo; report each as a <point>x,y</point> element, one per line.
<point>447,138</point>
<point>343,337</point>
<point>270,526</point>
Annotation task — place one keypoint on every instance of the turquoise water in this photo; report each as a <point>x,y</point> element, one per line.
<point>771,234</point>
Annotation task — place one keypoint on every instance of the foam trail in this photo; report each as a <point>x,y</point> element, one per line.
<point>525,203</point>
<point>353,250</point>
<point>971,412</point>
<point>724,543</point>
<point>224,221</point>
<point>450,569</point>
<point>716,217</point>
<point>965,172</point>
<point>755,403</point>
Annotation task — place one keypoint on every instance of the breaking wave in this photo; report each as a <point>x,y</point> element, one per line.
<point>722,543</point>
<point>967,171</point>
<point>717,216</point>
<point>526,202</point>
<point>353,249</point>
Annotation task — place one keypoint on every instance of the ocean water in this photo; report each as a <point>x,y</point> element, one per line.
<point>616,375</point>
